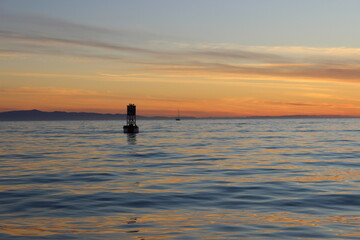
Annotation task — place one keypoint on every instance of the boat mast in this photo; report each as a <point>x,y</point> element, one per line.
<point>178,118</point>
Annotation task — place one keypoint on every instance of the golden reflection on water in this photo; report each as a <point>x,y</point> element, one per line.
<point>312,175</point>
<point>219,159</point>
<point>159,225</point>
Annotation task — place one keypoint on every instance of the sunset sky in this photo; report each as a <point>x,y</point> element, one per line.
<point>207,58</point>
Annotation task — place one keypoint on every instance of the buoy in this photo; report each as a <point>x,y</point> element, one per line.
<point>131,126</point>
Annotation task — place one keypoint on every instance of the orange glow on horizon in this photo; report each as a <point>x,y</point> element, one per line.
<point>224,107</point>
<point>218,84</point>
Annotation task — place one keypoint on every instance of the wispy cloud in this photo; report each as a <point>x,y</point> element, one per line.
<point>12,53</point>
<point>55,26</point>
<point>221,54</point>
<point>335,51</point>
<point>319,72</point>
<point>48,91</point>
<point>57,40</point>
<point>205,61</point>
<point>46,75</point>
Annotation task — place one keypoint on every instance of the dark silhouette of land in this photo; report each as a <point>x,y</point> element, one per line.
<point>36,115</point>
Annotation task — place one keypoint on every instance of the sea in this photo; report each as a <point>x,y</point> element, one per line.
<point>188,179</point>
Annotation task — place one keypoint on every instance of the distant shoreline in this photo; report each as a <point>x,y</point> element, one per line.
<point>36,115</point>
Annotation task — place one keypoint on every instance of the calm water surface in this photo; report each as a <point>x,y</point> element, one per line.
<point>193,179</point>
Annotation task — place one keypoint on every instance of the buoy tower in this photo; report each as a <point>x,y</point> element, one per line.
<point>131,126</point>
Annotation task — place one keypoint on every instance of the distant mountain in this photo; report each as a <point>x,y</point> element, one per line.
<point>36,115</point>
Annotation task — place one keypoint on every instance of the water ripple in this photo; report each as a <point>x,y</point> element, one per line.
<point>222,179</point>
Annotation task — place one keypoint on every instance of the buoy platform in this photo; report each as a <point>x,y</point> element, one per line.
<point>131,126</point>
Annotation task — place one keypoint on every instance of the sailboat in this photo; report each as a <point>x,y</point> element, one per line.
<point>178,118</point>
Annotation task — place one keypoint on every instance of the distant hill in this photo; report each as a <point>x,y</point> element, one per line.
<point>36,115</point>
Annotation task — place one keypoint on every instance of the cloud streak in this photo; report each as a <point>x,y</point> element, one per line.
<point>56,40</point>
<point>251,62</point>
<point>312,72</point>
<point>55,26</point>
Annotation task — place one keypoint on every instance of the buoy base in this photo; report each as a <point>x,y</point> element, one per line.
<point>131,129</point>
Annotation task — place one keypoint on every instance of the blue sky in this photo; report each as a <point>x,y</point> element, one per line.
<point>319,23</point>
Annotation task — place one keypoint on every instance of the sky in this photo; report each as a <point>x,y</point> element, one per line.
<point>205,58</point>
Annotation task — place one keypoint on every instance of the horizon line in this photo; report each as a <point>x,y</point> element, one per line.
<point>207,117</point>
